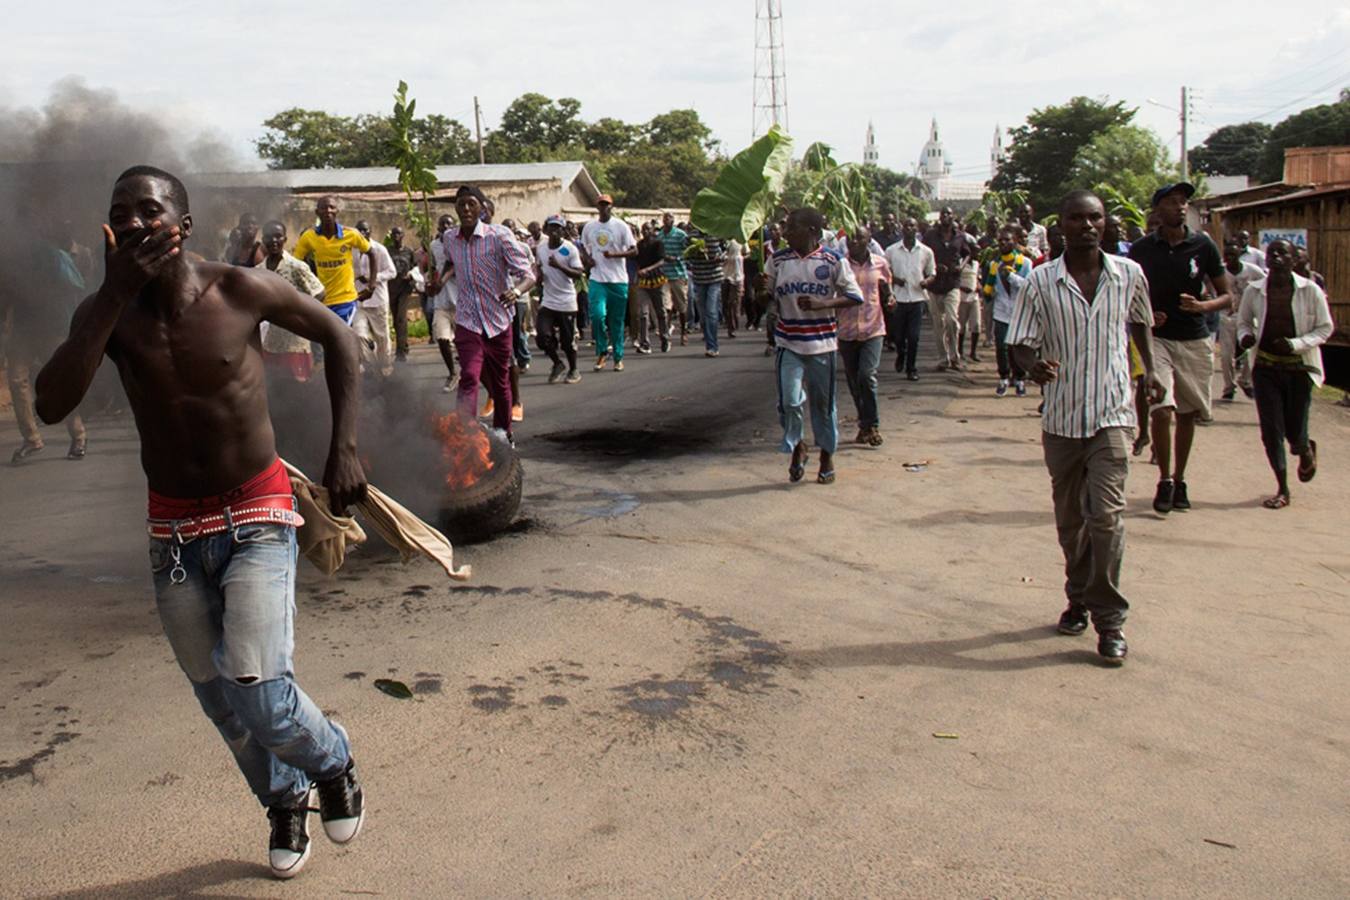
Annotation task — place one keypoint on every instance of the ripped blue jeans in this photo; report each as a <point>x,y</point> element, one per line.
<point>227,604</point>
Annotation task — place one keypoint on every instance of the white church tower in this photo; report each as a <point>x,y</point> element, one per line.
<point>996,153</point>
<point>870,154</point>
<point>933,163</point>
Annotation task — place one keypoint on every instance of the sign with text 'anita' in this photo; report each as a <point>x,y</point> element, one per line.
<point>1297,237</point>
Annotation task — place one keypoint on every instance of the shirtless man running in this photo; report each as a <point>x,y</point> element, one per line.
<point>183,334</point>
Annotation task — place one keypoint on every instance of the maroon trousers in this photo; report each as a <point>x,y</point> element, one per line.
<point>485,360</point>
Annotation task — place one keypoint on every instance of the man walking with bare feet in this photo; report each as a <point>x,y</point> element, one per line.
<point>183,334</point>
<point>1070,329</point>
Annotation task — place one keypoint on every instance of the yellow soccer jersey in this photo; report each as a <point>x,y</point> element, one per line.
<point>333,259</point>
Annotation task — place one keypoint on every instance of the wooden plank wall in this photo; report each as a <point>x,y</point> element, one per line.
<point>1317,165</point>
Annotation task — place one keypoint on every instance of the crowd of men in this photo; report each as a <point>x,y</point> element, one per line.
<point>1117,330</point>
<point>1054,304</point>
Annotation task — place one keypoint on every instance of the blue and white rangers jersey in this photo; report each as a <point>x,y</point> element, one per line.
<point>821,275</point>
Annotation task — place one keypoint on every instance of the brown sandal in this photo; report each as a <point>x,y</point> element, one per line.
<point>1305,474</point>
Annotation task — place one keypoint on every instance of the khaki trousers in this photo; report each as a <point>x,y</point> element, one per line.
<point>944,309</point>
<point>372,326</point>
<point>18,371</point>
<point>1087,481</point>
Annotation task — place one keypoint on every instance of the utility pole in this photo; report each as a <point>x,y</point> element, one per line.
<point>1185,161</point>
<point>478,131</point>
<point>769,101</point>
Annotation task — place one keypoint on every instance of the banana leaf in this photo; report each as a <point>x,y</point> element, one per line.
<point>746,191</point>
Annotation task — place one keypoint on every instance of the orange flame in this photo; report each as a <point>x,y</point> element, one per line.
<point>464,449</point>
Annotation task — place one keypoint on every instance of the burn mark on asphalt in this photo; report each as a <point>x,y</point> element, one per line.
<point>490,698</point>
<point>629,443</point>
<point>659,698</point>
<point>27,765</point>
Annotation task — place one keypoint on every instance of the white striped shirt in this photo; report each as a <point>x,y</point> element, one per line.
<point>1090,341</point>
<point>819,275</point>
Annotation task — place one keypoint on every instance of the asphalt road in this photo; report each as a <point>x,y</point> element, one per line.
<point>682,676</point>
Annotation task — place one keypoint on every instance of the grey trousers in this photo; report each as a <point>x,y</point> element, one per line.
<point>1087,480</point>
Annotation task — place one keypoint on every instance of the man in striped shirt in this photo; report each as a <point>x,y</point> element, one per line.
<point>807,284</point>
<point>674,240</point>
<point>705,275</point>
<point>492,270</point>
<point>1079,311</point>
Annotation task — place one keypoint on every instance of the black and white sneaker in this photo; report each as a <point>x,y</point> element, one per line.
<point>288,848</point>
<point>342,807</point>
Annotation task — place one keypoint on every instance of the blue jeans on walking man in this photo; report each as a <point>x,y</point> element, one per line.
<point>708,300</point>
<point>227,604</point>
<point>802,380</point>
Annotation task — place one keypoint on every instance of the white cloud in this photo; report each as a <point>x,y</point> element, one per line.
<point>972,65</point>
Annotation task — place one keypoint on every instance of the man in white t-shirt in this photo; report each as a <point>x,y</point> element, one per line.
<point>443,292</point>
<point>372,316</point>
<point>606,244</point>
<point>555,325</point>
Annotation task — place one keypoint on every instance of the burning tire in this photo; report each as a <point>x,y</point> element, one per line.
<point>483,481</point>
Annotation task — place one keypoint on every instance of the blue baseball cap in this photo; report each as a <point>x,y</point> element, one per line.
<point>1184,186</point>
<point>555,220</point>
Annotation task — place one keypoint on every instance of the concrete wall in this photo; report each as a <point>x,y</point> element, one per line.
<point>523,201</point>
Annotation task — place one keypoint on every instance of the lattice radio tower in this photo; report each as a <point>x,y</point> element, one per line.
<point>770,101</point>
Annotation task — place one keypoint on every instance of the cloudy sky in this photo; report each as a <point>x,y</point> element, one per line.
<point>972,65</point>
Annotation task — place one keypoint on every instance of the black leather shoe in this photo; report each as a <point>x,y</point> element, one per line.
<point>1111,645</point>
<point>1163,499</point>
<point>1179,498</point>
<point>1073,620</point>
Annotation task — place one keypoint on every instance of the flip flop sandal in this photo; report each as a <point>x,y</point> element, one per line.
<point>1279,501</point>
<point>825,477</point>
<point>796,471</point>
<point>25,451</point>
<point>1306,474</point>
<point>875,439</point>
<point>77,450</point>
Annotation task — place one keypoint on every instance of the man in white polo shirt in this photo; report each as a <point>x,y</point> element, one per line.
<point>912,268</point>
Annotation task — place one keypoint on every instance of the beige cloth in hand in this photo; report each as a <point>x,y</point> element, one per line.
<point>324,537</point>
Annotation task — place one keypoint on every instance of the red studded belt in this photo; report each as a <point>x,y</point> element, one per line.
<point>276,509</point>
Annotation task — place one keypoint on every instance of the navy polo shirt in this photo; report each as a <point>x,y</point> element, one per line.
<point>1173,270</point>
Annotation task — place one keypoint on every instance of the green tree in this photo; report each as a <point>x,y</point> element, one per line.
<point>304,139</point>
<point>536,128</point>
<point>680,126</point>
<point>1128,158</point>
<point>312,139</point>
<point>607,135</point>
<point>894,192</point>
<point>1043,150</point>
<point>1232,150</point>
<point>1327,125</point>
